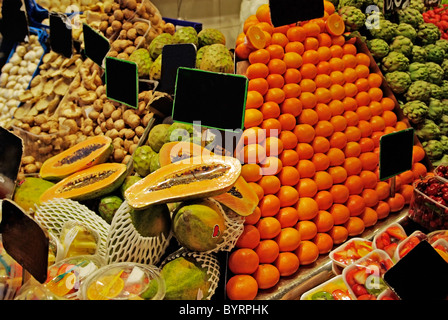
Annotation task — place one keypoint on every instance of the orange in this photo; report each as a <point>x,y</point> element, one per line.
<point>270,109</point>
<point>338,140</point>
<point>249,238</point>
<point>336,51</point>
<point>292,106</point>
<point>362,84</point>
<point>352,149</point>
<point>271,165</point>
<point>307,187</point>
<point>254,99</point>
<point>253,135</point>
<point>406,191</point>
<point>376,136</point>
<point>275,94</point>
<point>296,33</point>
<point>354,184</point>
<point>263,13</point>
<point>369,160</point>
<point>388,103</point>
<point>363,59</point>
<point>401,125</point>
<point>308,252</point>
<point>307,208</point>
<point>304,132</point>
<point>241,37</point>
<point>308,99</point>
<point>266,27</point>
<point>306,168</point>
<point>339,234</point>
<point>349,60</point>
<point>363,98</point>
<point>337,78</point>
<point>418,153</point>
<point>351,90</point>
<point>369,217</point>
<point>272,127</point>
<point>353,133</point>
<point>375,94</point>
<point>269,227</point>
<point>419,170</point>
<point>310,56</point>
<point>242,287</point>
<point>253,217</point>
<point>340,213</point>
<point>389,130</point>
<point>323,81</point>
<point>324,221</point>
<point>276,51</point>
<point>304,150</point>
<point>382,209</point>
<point>337,91</point>
<point>366,144</point>
<point>396,203</point>
<point>323,111</point>
<point>288,239</point>
<point>338,173</point>
<point>243,51</point>
<point>275,81</point>
<point>291,90</point>
<point>276,66</point>
<point>321,144</point>
<point>350,76</point>
<point>295,46</point>
<point>324,242</point>
<point>289,176</point>
<point>267,250</point>
<point>259,56</point>
<point>254,153</point>
<point>355,204</point>
<point>251,172</point>
<point>257,70</point>
<point>323,128</point>
<point>312,29</point>
<point>369,179</point>
<point>321,161</point>
<point>338,40</point>
<point>323,67</point>
<point>390,118</point>
<point>289,157</point>
<point>252,118</point>
<point>352,165</point>
<point>287,137</point>
<point>329,7</point>
<point>269,205</point>
<point>362,71</point>
<point>287,263</point>
<point>243,261</point>
<point>355,226</point>
<point>337,107</point>
<point>279,38</point>
<point>308,85</point>
<point>272,146</point>
<point>323,95</point>
<point>339,193</point>
<point>339,123</point>
<point>311,43</point>
<point>267,276</point>
<point>287,216</point>
<point>258,189</point>
<point>376,108</point>
<point>370,197</point>
<point>378,123</point>
<point>323,180</point>
<point>293,59</point>
<point>365,129</point>
<point>337,64</point>
<point>292,75</point>
<point>349,48</point>
<point>307,229</point>
<point>270,184</point>
<point>350,104</point>
<point>260,85</point>
<point>324,52</point>
<point>383,190</point>
<point>324,199</point>
<point>308,71</point>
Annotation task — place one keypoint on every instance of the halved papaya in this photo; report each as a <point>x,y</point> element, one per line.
<point>90,152</point>
<point>178,150</point>
<point>241,198</point>
<point>89,183</point>
<point>335,24</point>
<point>192,178</point>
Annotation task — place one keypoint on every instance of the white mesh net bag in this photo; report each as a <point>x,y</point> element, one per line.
<point>53,214</point>
<point>125,244</point>
<point>207,261</point>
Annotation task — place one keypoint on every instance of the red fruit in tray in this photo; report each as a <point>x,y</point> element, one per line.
<point>366,297</point>
<point>390,249</point>
<point>339,294</point>
<point>385,238</point>
<point>350,277</point>
<point>396,232</point>
<point>359,289</point>
<point>360,276</point>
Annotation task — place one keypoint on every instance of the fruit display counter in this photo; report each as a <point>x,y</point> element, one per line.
<point>140,207</point>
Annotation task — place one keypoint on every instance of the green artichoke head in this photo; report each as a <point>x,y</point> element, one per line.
<point>378,48</point>
<point>435,109</point>
<point>434,53</point>
<point>428,33</point>
<point>353,17</point>
<point>407,30</point>
<point>402,44</point>
<point>419,90</point>
<point>398,81</point>
<point>428,130</point>
<point>418,54</point>
<point>433,149</point>
<point>415,110</point>
<point>411,16</point>
<point>418,71</point>
<point>395,61</point>
<point>435,72</point>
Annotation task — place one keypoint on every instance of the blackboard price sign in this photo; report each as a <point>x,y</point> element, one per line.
<point>14,20</point>
<point>61,38</point>
<point>393,5</point>
<point>96,46</point>
<point>432,3</point>
<point>285,12</point>
<point>396,153</point>
<point>122,81</point>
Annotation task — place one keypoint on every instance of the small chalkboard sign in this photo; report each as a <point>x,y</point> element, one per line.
<point>61,38</point>
<point>285,12</point>
<point>175,56</point>
<point>122,81</point>
<point>394,5</point>
<point>395,153</point>
<point>216,100</point>
<point>422,274</point>
<point>14,20</point>
<point>96,46</point>
<point>24,240</point>
<point>432,3</point>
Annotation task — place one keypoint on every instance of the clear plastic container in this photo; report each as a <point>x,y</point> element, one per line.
<point>333,289</point>
<point>78,239</point>
<point>124,281</point>
<point>388,294</point>
<point>430,214</point>
<point>351,251</point>
<point>66,277</point>
<point>441,247</point>
<point>10,275</point>
<point>389,238</point>
<point>408,244</point>
<point>436,235</point>
<point>442,174</point>
<point>364,278</point>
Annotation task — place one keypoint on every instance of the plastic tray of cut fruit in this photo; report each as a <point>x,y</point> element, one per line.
<point>351,251</point>
<point>333,289</point>
<point>389,239</point>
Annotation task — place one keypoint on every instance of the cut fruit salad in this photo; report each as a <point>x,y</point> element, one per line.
<point>389,239</point>
<point>408,244</point>
<point>333,289</point>
<point>351,251</point>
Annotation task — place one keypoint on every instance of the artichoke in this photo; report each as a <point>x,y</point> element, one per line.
<point>434,53</point>
<point>428,130</point>
<point>378,48</point>
<point>444,66</point>
<point>418,54</point>
<point>444,140</point>
<point>353,17</point>
<point>398,81</point>
<point>402,44</point>
<point>386,30</point>
<point>407,30</point>
<point>435,73</point>
<point>416,111</point>
<point>395,61</point>
<point>443,125</point>
<point>419,5</point>
<point>443,43</point>
<point>418,71</point>
<point>419,90</point>
<point>444,93</point>
<point>433,149</point>
<point>436,91</point>
<point>352,3</point>
<point>435,109</point>
<point>428,33</point>
<point>411,16</point>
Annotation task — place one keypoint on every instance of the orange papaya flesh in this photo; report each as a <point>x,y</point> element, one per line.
<point>178,150</point>
<point>241,198</point>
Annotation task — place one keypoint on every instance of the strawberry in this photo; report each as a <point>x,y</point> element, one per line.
<point>359,290</point>
<point>396,232</point>
<point>339,294</point>
<point>366,297</point>
<point>390,249</point>
<point>385,238</point>
<point>360,276</point>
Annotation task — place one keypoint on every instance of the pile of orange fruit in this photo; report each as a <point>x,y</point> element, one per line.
<point>314,117</point>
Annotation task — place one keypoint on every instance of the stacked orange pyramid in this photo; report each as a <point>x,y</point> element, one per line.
<point>314,116</point>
